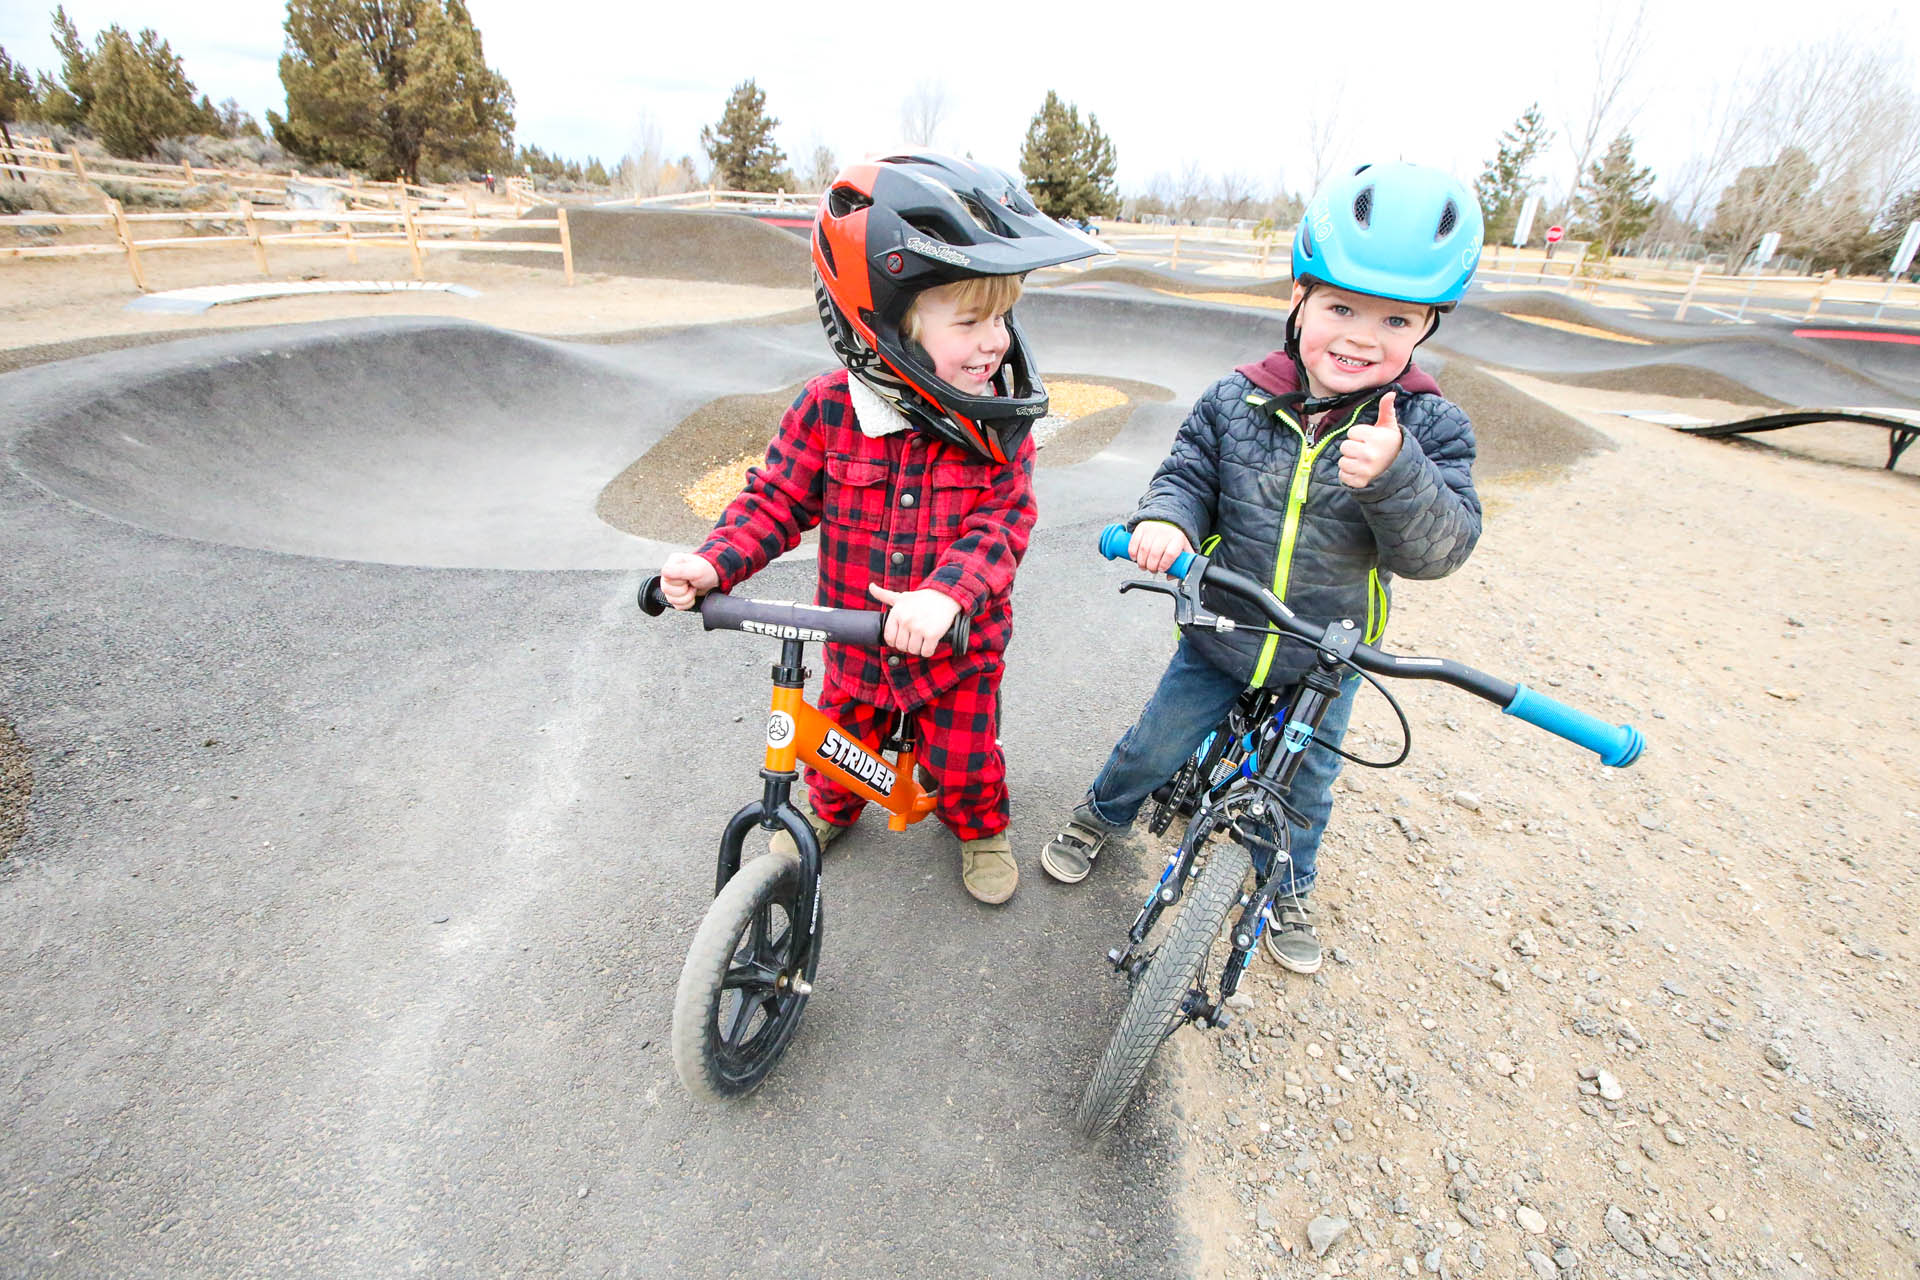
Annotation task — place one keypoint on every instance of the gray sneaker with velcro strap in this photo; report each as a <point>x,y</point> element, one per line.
<point>1069,856</point>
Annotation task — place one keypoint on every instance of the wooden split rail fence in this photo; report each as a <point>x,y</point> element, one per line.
<point>25,162</point>
<point>407,229</point>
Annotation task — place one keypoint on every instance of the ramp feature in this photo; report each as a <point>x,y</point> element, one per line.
<point>206,297</point>
<point>1902,424</point>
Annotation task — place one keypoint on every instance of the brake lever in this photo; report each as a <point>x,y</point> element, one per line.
<point>1187,609</point>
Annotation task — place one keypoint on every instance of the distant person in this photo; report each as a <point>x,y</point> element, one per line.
<point>916,462</point>
<point>489,182</point>
<point>1324,469</point>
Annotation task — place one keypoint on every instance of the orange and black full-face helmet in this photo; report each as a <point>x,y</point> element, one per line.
<point>889,229</point>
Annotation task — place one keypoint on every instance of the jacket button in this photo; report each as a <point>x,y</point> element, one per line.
<point>899,557</point>
<point>893,659</point>
<point>906,499</point>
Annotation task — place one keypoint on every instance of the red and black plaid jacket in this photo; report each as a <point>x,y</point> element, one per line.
<point>904,510</point>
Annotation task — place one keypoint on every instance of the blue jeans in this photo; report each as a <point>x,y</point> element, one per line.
<point>1193,697</point>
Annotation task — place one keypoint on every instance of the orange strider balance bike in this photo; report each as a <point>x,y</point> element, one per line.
<point>750,969</point>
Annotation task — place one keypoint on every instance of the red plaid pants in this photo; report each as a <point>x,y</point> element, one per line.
<point>958,732</point>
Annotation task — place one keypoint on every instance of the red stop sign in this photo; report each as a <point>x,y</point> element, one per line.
<point>1555,234</point>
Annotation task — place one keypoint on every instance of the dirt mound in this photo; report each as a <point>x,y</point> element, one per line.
<point>1519,437</point>
<point>1552,306</point>
<point>653,497</point>
<point>675,244</point>
<point>1142,278</point>
<point>1670,380</point>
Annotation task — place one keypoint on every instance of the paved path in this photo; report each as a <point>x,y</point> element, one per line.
<point>371,823</point>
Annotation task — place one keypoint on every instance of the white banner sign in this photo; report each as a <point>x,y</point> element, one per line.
<point>1908,243</point>
<point>1524,228</point>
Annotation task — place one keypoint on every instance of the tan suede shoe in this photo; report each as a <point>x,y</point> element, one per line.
<point>825,832</point>
<point>988,870</point>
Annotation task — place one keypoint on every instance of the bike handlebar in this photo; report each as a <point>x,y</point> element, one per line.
<point>1618,745</point>
<point>864,627</point>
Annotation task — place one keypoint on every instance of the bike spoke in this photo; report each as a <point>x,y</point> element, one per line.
<point>752,976</point>
<point>734,1034</point>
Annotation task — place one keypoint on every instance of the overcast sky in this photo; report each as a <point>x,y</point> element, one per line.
<point>1228,88</point>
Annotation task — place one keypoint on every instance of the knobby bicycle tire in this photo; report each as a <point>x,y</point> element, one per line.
<point>1159,992</point>
<point>710,1069</point>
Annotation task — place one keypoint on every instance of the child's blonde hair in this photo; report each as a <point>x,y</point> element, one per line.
<point>989,295</point>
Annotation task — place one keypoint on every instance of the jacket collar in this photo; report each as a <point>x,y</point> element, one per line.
<point>1275,375</point>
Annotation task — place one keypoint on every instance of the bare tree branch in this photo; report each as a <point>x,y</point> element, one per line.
<point>1617,48</point>
<point>922,111</point>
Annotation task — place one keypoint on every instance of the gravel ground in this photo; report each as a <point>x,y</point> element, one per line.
<point>1582,1022</point>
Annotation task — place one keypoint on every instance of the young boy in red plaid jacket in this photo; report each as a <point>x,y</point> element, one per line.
<point>916,464</point>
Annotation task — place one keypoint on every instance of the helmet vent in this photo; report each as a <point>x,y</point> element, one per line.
<point>845,200</point>
<point>931,228</point>
<point>983,217</point>
<point>1449,218</point>
<point>1363,206</point>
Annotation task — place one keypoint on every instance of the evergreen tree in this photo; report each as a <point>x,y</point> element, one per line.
<point>1069,166</point>
<point>389,86</point>
<point>1503,185</point>
<point>63,101</point>
<point>1614,199</point>
<point>741,146</point>
<point>138,93</point>
<point>16,92</point>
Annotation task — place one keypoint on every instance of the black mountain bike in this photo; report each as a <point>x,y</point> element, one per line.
<point>1233,792</point>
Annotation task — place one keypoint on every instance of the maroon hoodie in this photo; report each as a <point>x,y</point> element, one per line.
<point>1276,375</point>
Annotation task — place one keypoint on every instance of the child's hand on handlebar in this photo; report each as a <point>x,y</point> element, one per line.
<point>917,621</point>
<point>1156,544</point>
<point>685,577</point>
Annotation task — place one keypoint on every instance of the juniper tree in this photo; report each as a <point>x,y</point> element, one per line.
<point>390,86</point>
<point>1069,166</point>
<point>1614,200</point>
<point>1503,185</point>
<point>740,144</point>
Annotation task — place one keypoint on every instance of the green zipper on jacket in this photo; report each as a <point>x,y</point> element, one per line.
<point>1296,503</point>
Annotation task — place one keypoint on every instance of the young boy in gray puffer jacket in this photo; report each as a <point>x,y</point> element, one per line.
<point>1324,470</point>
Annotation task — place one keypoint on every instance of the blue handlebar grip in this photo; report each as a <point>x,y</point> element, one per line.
<point>1113,545</point>
<point>1618,745</point>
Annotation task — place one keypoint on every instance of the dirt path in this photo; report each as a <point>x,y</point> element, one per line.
<point>50,301</point>
<point>1581,1021</point>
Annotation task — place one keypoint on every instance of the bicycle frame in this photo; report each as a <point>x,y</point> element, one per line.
<point>797,730</point>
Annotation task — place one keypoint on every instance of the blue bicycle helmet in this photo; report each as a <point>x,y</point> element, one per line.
<point>1401,231</point>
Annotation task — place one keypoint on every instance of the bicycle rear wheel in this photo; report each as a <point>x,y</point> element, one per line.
<point>1153,1011</point>
<point>737,1007</point>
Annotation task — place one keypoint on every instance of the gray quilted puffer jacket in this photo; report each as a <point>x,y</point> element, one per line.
<point>1237,474</point>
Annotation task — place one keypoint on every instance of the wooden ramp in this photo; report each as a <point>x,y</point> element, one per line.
<point>1903,425</point>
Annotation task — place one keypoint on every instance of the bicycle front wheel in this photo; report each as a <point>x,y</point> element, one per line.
<point>737,1007</point>
<point>1158,993</point>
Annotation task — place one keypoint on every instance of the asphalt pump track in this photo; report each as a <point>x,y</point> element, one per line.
<point>370,823</point>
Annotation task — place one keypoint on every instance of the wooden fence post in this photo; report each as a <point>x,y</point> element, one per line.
<point>1819,295</point>
<point>1686,299</point>
<point>1266,251</point>
<point>566,244</point>
<point>1176,246</point>
<point>79,166</point>
<point>253,234</point>
<point>413,238</point>
<point>125,233</point>
<point>187,167</point>
<point>353,254</point>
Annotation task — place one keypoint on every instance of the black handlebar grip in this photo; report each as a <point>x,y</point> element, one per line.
<point>652,602</point>
<point>959,633</point>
